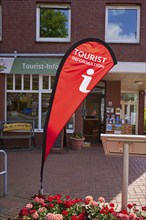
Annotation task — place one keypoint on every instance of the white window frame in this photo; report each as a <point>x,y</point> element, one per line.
<point>0,22</point>
<point>47,39</point>
<point>136,104</point>
<point>137,40</point>
<point>40,91</point>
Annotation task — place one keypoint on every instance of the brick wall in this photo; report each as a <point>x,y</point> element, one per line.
<point>113,93</point>
<point>88,20</point>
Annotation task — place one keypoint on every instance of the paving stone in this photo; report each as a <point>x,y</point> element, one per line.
<point>75,173</point>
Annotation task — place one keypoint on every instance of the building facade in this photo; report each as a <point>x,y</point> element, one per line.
<point>35,35</point>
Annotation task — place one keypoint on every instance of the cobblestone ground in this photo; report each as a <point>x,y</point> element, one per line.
<point>75,173</point>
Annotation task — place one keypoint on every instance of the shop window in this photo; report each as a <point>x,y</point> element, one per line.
<point>0,23</point>
<point>18,82</point>
<point>10,82</point>
<point>53,23</point>
<point>26,100</point>
<point>45,105</point>
<point>46,82</point>
<point>26,82</point>
<point>35,82</point>
<point>122,24</point>
<point>52,81</point>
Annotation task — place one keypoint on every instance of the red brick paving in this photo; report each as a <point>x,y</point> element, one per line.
<point>75,173</point>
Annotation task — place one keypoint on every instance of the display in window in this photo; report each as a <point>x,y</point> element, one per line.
<point>22,106</point>
<point>110,110</point>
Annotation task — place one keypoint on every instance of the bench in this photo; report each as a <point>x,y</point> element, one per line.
<point>17,130</point>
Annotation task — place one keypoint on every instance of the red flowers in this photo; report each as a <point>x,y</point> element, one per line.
<point>57,207</point>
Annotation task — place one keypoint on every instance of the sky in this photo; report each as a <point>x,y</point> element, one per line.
<point>122,24</point>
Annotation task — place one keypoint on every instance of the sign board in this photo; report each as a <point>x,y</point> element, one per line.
<point>113,144</point>
<point>59,143</point>
<point>29,65</point>
<point>17,126</point>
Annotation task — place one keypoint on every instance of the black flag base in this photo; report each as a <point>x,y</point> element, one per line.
<point>41,189</point>
<point>41,192</point>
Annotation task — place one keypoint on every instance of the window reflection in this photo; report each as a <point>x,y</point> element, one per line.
<point>29,102</point>
<point>35,82</point>
<point>45,105</point>
<point>10,82</point>
<point>26,82</point>
<point>52,81</point>
<point>122,24</point>
<point>18,82</point>
<point>22,106</point>
<point>45,82</point>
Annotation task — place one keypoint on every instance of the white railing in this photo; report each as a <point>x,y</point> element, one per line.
<point>4,172</point>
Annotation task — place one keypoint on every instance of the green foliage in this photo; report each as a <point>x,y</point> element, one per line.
<point>53,23</point>
<point>78,135</point>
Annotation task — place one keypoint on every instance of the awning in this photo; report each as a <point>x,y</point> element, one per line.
<point>29,65</point>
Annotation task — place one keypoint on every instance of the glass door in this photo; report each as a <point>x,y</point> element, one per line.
<point>129,110</point>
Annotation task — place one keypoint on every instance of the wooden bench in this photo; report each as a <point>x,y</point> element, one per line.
<point>17,130</point>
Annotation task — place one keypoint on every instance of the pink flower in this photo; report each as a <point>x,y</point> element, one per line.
<point>50,216</point>
<point>101,199</point>
<point>37,199</point>
<point>58,217</point>
<point>35,215</point>
<point>88,199</point>
<point>41,209</point>
<point>132,216</point>
<point>41,201</point>
<point>94,203</point>
<point>123,216</point>
<point>29,206</point>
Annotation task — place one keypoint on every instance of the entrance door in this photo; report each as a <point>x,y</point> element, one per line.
<point>129,113</point>
<point>129,110</point>
<point>94,117</point>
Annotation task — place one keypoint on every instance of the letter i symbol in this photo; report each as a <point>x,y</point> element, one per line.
<point>87,79</point>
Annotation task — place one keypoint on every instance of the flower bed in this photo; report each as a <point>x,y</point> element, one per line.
<point>57,207</point>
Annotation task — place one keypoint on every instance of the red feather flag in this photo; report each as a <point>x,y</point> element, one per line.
<point>82,67</point>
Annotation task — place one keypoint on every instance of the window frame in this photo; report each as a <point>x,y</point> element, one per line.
<point>52,39</point>
<point>40,91</point>
<point>137,40</point>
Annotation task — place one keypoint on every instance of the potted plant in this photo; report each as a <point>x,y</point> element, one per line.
<point>77,140</point>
